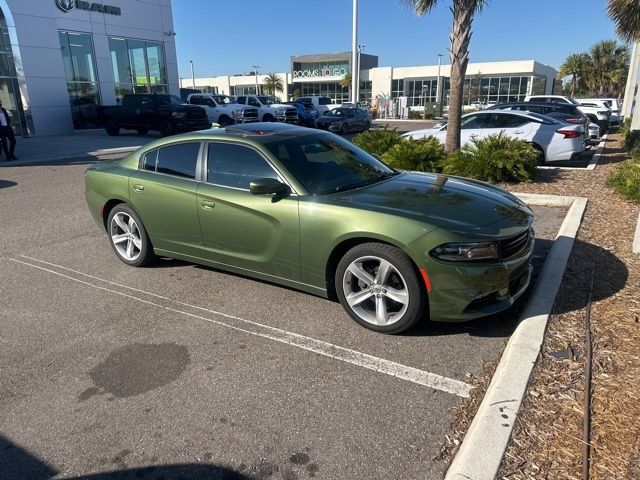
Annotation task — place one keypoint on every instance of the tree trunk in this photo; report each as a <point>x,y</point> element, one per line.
<point>573,86</point>
<point>463,11</point>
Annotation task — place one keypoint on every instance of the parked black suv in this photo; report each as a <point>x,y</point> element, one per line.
<point>560,111</point>
<point>142,112</point>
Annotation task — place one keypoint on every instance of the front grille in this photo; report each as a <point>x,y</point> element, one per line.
<point>513,245</point>
<point>196,114</point>
<point>249,113</point>
<point>291,114</point>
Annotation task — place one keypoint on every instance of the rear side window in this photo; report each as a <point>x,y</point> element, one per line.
<point>324,101</point>
<point>242,100</point>
<point>500,120</point>
<point>236,165</point>
<point>179,160</point>
<point>473,121</point>
<point>149,161</point>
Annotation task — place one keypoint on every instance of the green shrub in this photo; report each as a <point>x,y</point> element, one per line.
<point>377,142</point>
<point>624,129</point>
<point>625,179</point>
<point>415,115</point>
<point>631,141</point>
<point>422,155</point>
<point>497,158</point>
<point>428,116</point>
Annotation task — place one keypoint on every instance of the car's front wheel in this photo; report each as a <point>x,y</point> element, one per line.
<point>380,288</point>
<point>128,236</point>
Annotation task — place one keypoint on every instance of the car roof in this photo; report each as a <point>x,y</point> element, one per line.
<point>518,113</point>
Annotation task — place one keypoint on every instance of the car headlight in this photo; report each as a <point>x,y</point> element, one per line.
<point>280,110</point>
<point>179,114</point>
<point>467,252</point>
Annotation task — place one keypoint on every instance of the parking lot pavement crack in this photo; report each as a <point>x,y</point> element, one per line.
<point>336,352</point>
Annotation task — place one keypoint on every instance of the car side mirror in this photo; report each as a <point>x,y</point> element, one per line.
<point>266,186</point>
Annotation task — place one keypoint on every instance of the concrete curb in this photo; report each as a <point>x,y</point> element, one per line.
<point>488,436</point>
<point>636,239</point>
<point>592,163</point>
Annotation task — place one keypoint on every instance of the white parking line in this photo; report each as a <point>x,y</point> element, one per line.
<point>320,347</point>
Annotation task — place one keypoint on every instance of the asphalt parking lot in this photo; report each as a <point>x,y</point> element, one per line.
<point>181,368</point>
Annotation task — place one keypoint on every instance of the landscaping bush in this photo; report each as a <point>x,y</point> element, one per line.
<point>429,116</point>
<point>415,115</point>
<point>424,155</point>
<point>625,179</point>
<point>497,158</point>
<point>377,142</point>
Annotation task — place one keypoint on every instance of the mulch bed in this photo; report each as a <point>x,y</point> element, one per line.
<point>547,438</point>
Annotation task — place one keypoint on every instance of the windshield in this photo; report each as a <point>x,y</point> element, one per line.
<point>324,163</point>
<point>338,112</point>
<point>222,99</point>
<point>266,100</point>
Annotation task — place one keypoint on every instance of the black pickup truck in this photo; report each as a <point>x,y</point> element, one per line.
<point>143,112</point>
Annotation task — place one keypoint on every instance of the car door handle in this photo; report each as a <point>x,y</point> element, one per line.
<point>206,205</point>
<point>138,188</point>
<point>518,132</point>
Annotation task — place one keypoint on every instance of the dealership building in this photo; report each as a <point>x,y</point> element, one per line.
<point>62,58</point>
<point>321,74</point>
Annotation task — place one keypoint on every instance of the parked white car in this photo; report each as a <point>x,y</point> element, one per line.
<point>222,109</point>
<point>594,134</point>
<point>269,109</point>
<point>610,103</point>
<point>556,141</point>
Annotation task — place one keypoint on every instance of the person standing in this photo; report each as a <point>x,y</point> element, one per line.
<point>6,133</point>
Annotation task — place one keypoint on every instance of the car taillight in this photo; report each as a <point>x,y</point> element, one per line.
<point>570,133</point>
<point>575,120</point>
<point>602,112</point>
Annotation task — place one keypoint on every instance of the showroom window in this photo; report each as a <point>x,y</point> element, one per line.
<point>82,78</point>
<point>333,90</point>
<point>138,66</point>
<point>9,84</point>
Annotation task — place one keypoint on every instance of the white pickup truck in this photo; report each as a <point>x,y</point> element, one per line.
<point>599,115</point>
<point>269,110</point>
<point>222,110</point>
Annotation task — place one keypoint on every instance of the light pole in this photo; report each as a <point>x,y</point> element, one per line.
<point>354,54</point>
<point>255,70</point>
<point>193,75</point>
<point>360,49</point>
<point>438,86</point>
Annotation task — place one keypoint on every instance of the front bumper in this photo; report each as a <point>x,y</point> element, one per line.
<point>462,292</point>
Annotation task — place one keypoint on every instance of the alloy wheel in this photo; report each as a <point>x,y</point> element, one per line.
<point>375,290</point>
<point>125,236</point>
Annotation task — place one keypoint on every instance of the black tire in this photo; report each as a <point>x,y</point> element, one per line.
<point>146,254</point>
<point>367,126</point>
<point>166,129</point>
<point>405,278</point>
<point>111,128</point>
<point>224,121</point>
<point>142,131</point>
<point>541,159</point>
<point>345,129</point>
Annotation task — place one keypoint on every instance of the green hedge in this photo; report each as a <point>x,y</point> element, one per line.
<point>377,141</point>
<point>497,158</point>
<point>424,155</point>
<point>625,179</point>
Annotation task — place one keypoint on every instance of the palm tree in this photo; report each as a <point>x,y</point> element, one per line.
<point>463,14</point>
<point>273,83</point>
<point>346,82</point>
<point>575,65</point>
<point>626,15</point>
<point>608,64</point>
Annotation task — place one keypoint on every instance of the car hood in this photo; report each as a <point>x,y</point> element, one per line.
<point>452,203</point>
<point>422,133</point>
<point>281,105</point>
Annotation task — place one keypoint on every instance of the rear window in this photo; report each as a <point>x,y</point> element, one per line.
<point>179,160</point>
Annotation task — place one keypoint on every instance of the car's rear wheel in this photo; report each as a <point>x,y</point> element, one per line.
<point>379,287</point>
<point>128,236</point>
<point>541,158</point>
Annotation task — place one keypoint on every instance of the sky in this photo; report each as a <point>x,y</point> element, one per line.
<point>224,38</point>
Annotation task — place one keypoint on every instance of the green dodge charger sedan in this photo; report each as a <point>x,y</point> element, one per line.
<point>310,210</point>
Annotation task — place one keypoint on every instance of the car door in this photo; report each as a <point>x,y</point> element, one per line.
<point>163,192</point>
<point>254,233</point>
<point>515,126</point>
<point>472,127</point>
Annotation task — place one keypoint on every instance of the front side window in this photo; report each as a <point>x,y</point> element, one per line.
<point>253,102</point>
<point>472,122</point>
<point>242,100</point>
<point>179,160</point>
<point>235,166</point>
<point>325,164</point>
<point>501,120</point>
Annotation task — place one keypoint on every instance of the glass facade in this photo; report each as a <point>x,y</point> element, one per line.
<point>333,90</point>
<point>243,90</point>
<point>477,89</point>
<point>9,88</point>
<point>82,78</point>
<point>138,66</point>
<point>365,92</point>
